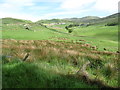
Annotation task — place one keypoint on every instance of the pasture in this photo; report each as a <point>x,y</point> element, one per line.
<point>99,36</point>
<point>54,64</point>
<point>85,58</point>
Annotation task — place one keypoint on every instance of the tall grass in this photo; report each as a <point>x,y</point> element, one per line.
<point>100,36</point>
<point>38,75</point>
<point>57,60</point>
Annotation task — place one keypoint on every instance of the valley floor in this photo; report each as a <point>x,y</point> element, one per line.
<point>50,57</point>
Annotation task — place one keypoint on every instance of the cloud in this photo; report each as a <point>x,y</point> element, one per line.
<point>42,9</point>
<point>75,4</point>
<point>37,8</point>
<point>19,16</point>
<point>19,3</point>
<point>15,5</point>
<point>62,14</point>
<point>107,5</point>
<point>100,5</point>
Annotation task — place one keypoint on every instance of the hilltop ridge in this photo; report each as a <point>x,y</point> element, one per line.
<point>87,19</point>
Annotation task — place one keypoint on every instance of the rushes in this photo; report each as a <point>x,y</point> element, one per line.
<point>64,58</point>
<point>109,70</point>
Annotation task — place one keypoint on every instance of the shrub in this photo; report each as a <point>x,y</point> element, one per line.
<point>70,30</point>
<point>108,70</point>
<point>112,24</point>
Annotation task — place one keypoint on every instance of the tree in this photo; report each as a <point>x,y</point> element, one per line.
<point>111,24</point>
<point>69,29</point>
<point>66,27</point>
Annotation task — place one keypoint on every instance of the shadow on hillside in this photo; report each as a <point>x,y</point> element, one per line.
<point>67,33</point>
<point>28,75</point>
<point>57,31</point>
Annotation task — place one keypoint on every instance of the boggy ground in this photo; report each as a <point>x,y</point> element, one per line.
<point>81,64</point>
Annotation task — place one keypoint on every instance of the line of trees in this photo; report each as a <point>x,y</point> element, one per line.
<point>70,29</point>
<point>112,24</point>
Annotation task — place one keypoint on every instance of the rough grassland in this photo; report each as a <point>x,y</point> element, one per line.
<point>85,58</point>
<point>56,64</point>
<point>100,36</point>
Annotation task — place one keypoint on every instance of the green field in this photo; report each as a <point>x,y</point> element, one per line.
<point>100,36</point>
<point>85,58</point>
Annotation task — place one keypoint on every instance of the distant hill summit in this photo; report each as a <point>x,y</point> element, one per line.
<point>53,21</point>
<point>70,20</point>
<point>9,20</point>
<point>96,20</point>
<point>93,20</point>
<point>91,17</point>
<point>108,19</point>
<point>83,19</point>
<point>113,15</point>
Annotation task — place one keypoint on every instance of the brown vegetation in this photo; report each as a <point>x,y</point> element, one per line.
<point>21,46</point>
<point>31,50</point>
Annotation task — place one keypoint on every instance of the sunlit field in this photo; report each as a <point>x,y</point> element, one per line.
<point>49,56</point>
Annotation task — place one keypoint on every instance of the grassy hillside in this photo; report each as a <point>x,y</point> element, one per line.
<point>108,19</point>
<point>56,64</point>
<point>14,21</point>
<point>96,20</point>
<point>86,19</point>
<point>53,21</point>
<point>47,56</point>
<point>101,37</point>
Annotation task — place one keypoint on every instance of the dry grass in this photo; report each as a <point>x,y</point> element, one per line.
<point>75,53</point>
<point>58,48</point>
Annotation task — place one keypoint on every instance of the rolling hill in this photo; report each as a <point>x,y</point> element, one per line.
<point>108,19</point>
<point>9,20</point>
<point>54,21</point>
<point>50,57</point>
<point>86,19</point>
<point>95,20</point>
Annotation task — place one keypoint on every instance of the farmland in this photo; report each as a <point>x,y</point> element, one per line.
<point>85,58</point>
<point>95,35</point>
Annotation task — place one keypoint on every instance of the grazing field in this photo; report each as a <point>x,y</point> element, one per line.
<point>99,36</point>
<point>57,64</point>
<point>47,56</point>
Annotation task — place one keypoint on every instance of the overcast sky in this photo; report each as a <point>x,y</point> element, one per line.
<point>47,9</point>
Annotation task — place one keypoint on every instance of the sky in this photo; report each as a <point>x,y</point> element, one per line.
<point>35,10</point>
